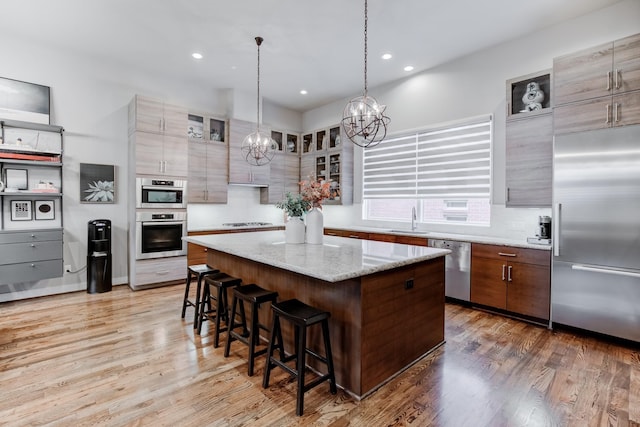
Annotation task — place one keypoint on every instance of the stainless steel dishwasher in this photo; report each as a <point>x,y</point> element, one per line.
<point>457,281</point>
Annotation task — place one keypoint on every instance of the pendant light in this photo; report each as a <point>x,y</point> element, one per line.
<point>258,148</point>
<point>363,119</point>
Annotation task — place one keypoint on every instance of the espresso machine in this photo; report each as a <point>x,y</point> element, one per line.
<point>543,233</point>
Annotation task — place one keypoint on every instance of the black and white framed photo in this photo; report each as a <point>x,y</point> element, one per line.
<point>28,102</point>
<point>21,210</point>
<point>97,183</point>
<point>44,210</point>
<point>16,179</point>
<point>195,128</point>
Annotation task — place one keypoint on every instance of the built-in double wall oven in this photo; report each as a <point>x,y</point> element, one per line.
<point>161,218</point>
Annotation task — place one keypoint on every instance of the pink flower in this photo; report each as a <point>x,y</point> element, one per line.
<point>315,191</point>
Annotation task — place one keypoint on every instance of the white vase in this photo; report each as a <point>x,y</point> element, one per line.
<point>294,230</point>
<point>315,226</point>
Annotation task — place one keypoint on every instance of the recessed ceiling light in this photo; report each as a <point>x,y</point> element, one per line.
<point>387,56</point>
<point>197,55</point>
<point>303,92</point>
<point>408,68</point>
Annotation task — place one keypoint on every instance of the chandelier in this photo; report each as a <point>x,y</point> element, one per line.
<point>363,119</point>
<point>258,148</point>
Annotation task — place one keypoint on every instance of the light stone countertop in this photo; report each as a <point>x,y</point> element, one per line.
<point>490,240</point>
<point>338,258</point>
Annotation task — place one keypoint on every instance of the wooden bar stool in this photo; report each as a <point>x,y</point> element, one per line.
<point>198,272</point>
<point>302,316</point>
<point>254,295</point>
<point>222,282</point>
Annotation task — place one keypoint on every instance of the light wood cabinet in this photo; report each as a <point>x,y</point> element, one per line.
<point>594,88</point>
<point>285,168</point>
<point>156,116</point>
<point>529,140</point>
<point>529,158</point>
<point>241,172</point>
<point>517,280</point>
<point>329,159</point>
<point>207,172</point>
<point>160,155</point>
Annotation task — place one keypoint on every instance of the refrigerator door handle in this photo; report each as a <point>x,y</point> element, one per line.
<point>581,267</point>
<point>556,231</point>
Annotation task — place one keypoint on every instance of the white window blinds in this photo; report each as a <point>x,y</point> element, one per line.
<point>451,161</point>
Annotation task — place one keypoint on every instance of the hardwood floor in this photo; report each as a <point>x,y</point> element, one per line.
<point>126,358</point>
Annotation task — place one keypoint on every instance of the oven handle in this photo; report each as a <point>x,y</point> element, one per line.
<point>161,187</point>
<point>162,222</point>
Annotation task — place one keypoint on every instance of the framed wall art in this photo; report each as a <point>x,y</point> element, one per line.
<point>44,210</point>
<point>97,183</point>
<point>21,210</point>
<point>28,102</point>
<point>16,179</point>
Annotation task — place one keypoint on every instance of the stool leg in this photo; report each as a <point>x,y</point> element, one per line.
<point>301,344</point>
<point>186,294</point>
<point>275,334</point>
<point>196,316</point>
<point>329,356</point>
<point>221,308</point>
<point>231,324</point>
<point>253,336</point>
<point>205,304</point>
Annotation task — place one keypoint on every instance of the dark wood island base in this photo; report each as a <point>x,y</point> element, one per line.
<point>380,323</point>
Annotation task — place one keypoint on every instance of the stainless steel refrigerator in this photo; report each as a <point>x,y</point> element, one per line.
<point>596,234</point>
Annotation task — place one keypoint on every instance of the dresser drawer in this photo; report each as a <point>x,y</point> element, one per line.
<point>512,254</point>
<point>29,236</point>
<point>34,251</point>
<point>30,271</point>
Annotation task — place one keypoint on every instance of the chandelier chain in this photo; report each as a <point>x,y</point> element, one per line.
<point>365,47</point>
<point>259,42</point>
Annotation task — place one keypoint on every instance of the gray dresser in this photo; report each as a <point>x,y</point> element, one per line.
<point>31,255</point>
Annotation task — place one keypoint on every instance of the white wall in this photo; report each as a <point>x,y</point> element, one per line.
<point>475,85</point>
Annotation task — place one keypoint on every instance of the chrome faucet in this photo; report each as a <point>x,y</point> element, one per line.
<point>413,218</point>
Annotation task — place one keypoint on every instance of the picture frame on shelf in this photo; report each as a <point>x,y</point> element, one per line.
<point>16,179</point>
<point>217,130</point>
<point>44,210</point>
<point>24,101</point>
<point>21,210</point>
<point>97,183</point>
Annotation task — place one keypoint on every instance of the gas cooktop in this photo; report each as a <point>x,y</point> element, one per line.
<point>245,224</point>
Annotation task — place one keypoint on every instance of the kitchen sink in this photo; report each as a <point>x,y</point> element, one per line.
<point>409,231</point>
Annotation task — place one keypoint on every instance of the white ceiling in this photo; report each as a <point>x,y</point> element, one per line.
<point>314,45</point>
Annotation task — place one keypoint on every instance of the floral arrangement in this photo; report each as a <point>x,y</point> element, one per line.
<point>315,191</point>
<point>294,205</point>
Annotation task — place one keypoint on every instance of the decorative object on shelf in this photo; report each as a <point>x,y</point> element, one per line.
<point>294,206</point>
<point>27,102</point>
<point>363,119</point>
<point>21,210</point>
<point>532,98</point>
<point>258,148</point>
<point>315,192</point>
<point>195,128</point>
<point>16,179</point>
<point>97,183</point>
<point>44,210</point>
<point>1,186</point>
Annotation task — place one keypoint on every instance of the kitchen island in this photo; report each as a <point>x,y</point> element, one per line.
<point>386,299</point>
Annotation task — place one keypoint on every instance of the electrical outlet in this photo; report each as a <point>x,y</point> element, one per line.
<point>67,268</point>
<point>408,284</point>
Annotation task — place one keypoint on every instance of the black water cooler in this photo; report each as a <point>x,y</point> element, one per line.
<point>99,256</point>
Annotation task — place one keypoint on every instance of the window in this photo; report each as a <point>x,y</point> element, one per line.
<point>443,171</point>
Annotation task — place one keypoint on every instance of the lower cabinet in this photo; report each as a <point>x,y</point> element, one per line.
<point>26,256</point>
<point>151,272</point>
<point>517,280</point>
<point>380,237</point>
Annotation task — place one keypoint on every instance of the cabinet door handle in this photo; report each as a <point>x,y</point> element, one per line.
<point>33,265</point>
<point>607,121</point>
<point>503,269</point>
<point>507,194</point>
<point>507,254</point>
<point>608,80</point>
<point>616,116</point>
<point>509,273</point>
<point>33,245</point>
<point>618,78</point>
